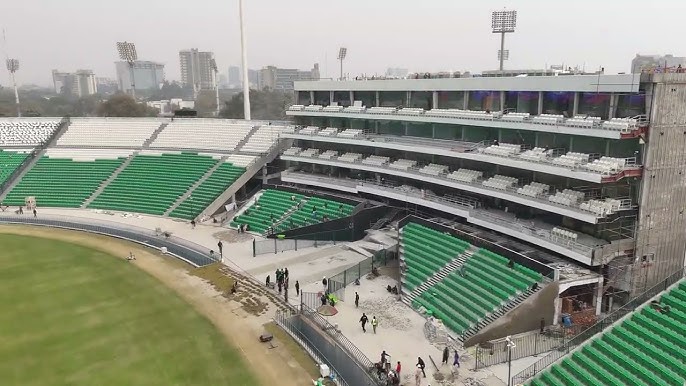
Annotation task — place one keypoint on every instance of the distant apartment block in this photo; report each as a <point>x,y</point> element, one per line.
<point>196,69</point>
<point>275,78</point>
<point>79,83</point>
<point>146,75</point>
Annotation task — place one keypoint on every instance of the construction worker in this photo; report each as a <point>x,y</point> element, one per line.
<point>374,323</point>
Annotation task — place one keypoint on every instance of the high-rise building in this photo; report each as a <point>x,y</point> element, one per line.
<point>146,75</point>
<point>235,77</point>
<point>275,78</point>
<point>196,69</point>
<point>79,84</point>
<point>650,62</point>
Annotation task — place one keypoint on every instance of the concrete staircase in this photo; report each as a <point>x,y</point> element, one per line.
<point>441,274</point>
<point>245,139</point>
<point>109,179</point>
<point>154,135</point>
<point>505,308</point>
<point>197,183</point>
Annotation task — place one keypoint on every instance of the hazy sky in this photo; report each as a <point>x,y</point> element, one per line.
<point>421,35</point>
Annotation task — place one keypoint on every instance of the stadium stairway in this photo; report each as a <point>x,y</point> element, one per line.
<point>441,274</point>
<point>109,180</point>
<point>245,139</point>
<point>154,135</point>
<point>250,172</point>
<point>197,183</point>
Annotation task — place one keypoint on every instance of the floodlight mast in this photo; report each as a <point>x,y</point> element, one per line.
<point>342,52</point>
<point>213,65</point>
<point>244,61</point>
<point>127,53</point>
<point>12,67</point>
<point>503,22</point>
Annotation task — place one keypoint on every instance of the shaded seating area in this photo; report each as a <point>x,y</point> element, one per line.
<point>647,348</point>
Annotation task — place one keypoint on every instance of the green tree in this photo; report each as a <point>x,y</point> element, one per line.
<point>264,104</point>
<point>122,105</point>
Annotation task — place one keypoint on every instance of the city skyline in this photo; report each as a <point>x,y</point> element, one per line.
<point>450,36</point>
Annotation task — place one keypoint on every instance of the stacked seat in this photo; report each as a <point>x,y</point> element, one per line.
<point>152,182</point>
<point>564,234</point>
<point>516,117</point>
<point>309,130</point>
<point>536,154</point>
<point>567,197</point>
<point>311,152</point>
<point>583,121</point>
<point>647,348</point>
<point>296,108</point>
<point>410,111</point>
<point>270,207</point>
<point>620,124</point>
<point>333,108</point>
<point>10,161</point>
<point>350,157</point>
<point>503,149</point>
<point>571,159</point>
<point>534,189</point>
<point>434,169</point>
<point>402,164</point>
<point>606,165</point>
<point>329,154</point>
<point>313,108</point>
<point>293,150</point>
<point>350,133</point>
<point>500,182</point>
<point>59,180</point>
<point>376,160</point>
<point>465,175</point>
<point>382,110</point>
<point>601,207</point>
<point>119,132</point>
<point>548,119</point>
<point>202,196</point>
<point>328,132</point>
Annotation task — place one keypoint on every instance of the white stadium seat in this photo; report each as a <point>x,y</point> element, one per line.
<point>208,134</point>
<point>26,132</point>
<point>116,132</point>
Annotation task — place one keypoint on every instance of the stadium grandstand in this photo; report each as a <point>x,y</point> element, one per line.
<point>509,200</point>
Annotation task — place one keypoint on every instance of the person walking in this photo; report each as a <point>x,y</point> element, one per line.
<point>297,288</point>
<point>421,365</point>
<point>285,272</point>
<point>456,361</point>
<point>266,282</point>
<point>397,369</point>
<point>363,321</point>
<point>542,325</point>
<point>418,376</point>
<point>35,213</point>
<point>357,300</point>
<point>220,245</point>
<point>193,224</point>
<point>446,355</point>
<point>384,357</point>
<point>374,324</point>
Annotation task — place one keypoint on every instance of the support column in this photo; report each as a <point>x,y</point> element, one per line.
<point>613,106</point>
<point>607,148</point>
<point>556,315</point>
<point>434,100</point>
<point>465,105</point>
<point>502,101</point>
<point>296,97</point>
<point>408,100</point>
<point>433,131</point>
<point>575,108</point>
<point>571,143</point>
<point>311,97</point>
<point>540,102</point>
<point>330,97</point>
<point>598,297</point>
<point>536,139</point>
<point>377,98</point>
<point>352,98</point>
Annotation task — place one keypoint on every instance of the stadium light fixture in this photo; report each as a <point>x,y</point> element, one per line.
<point>12,67</point>
<point>342,53</point>
<point>503,22</point>
<point>213,66</point>
<point>127,53</point>
<point>244,62</point>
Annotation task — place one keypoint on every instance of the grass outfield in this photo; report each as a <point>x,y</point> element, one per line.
<point>70,315</point>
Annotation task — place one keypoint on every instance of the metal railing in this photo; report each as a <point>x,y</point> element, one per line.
<point>598,327</point>
<point>315,240</point>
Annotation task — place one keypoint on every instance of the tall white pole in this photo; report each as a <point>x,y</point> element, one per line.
<point>216,89</point>
<point>244,60</point>
<point>16,95</point>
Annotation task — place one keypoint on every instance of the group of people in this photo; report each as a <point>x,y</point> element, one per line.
<point>20,210</point>
<point>242,228</point>
<point>364,319</point>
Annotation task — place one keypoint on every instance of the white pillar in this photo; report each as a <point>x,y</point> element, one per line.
<point>599,297</point>
<point>244,61</point>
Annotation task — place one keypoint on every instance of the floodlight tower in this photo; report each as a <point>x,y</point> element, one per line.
<point>244,61</point>
<point>213,66</point>
<point>127,53</point>
<point>342,52</point>
<point>12,67</point>
<point>503,22</point>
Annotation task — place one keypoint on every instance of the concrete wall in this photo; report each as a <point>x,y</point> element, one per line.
<point>662,216</point>
<point>526,317</point>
